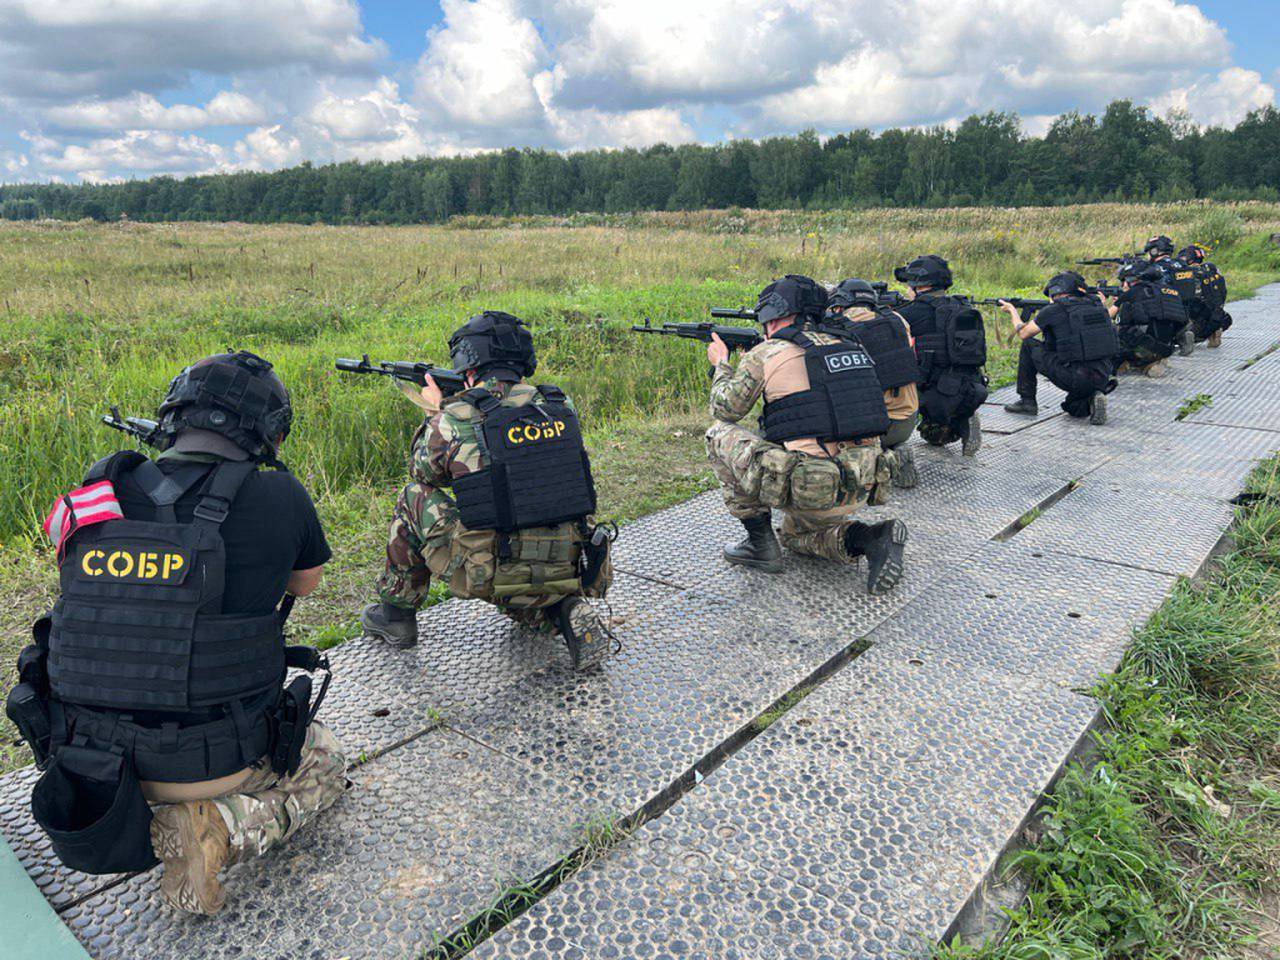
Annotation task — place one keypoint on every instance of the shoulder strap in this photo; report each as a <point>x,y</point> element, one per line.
<point>109,468</point>
<point>164,489</point>
<point>551,393</point>
<point>220,491</point>
<point>794,334</point>
<point>481,399</point>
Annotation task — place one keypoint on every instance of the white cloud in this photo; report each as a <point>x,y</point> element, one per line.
<point>142,151</point>
<point>142,111</point>
<point>1220,100</point>
<point>267,148</point>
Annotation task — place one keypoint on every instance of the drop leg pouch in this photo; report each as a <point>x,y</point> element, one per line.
<point>91,805</point>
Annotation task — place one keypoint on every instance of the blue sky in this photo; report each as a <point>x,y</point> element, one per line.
<point>111,89</point>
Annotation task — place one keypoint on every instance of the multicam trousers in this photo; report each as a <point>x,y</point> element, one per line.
<point>267,809</point>
<point>815,533</point>
<point>421,544</point>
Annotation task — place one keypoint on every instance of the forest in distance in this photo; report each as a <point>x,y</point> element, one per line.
<point>1126,154</point>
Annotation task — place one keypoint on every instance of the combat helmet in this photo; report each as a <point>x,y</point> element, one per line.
<point>929,270</point>
<point>793,294</point>
<point>854,292</point>
<point>494,343</point>
<point>1139,270</point>
<point>234,394</point>
<point>1194,253</point>
<point>1161,245</point>
<point>1064,283</point>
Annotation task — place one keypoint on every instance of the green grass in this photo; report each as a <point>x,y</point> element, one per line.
<point>100,314</point>
<point>1192,404</point>
<point>1169,844</point>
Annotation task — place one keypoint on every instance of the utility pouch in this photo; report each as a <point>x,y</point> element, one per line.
<point>29,711</point>
<point>91,805</point>
<point>885,461</point>
<point>776,464</point>
<point>815,484</point>
<point>289,726</point>
<point>858,468</point>
<point>596,561</point>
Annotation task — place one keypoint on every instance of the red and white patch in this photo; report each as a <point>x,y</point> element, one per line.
<point>84,507</point>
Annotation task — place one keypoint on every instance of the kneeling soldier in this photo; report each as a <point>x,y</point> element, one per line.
<point>517,530</point>
<point>1076,354</point>
<point>1150,317</point>
<point>854,309</point>
<point>819,460</point>
<point>154,695</point>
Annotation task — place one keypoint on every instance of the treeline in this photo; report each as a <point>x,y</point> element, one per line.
<point>1127,154</point>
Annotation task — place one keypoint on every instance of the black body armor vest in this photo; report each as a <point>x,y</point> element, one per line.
<point>1087,334</point>
<point>1158,309</point>
<point>885,339</point>
<point>1213,286</point>
<point>1182,279</point>
<point>538,473</point>
<point>845,400</point>
<point>955,337</point>
<point>139,625</point>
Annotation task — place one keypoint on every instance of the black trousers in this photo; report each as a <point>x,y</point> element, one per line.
<point>1080,380</point>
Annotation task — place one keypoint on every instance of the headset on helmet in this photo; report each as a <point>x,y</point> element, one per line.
<point>235,394</point>
<point>1139,271</point>
<point>1160,244</point>
<point>1192,254</point>
<point>494,342</point>
<point>854,292</point>
<point>927,271</point>
<point>1063,283</point>
<point>792,294</point>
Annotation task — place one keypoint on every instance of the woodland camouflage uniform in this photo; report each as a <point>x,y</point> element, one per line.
<point>738,456</point>
<point>427,539</point>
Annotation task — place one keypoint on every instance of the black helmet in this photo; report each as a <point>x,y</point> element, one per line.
<point>792,295</point>
<point>1161,245</point>
<point>1137,271</point>
<point>854,292</point>
<point>494,342</point>
<point>927,271</point>
<point>234,394</point>
<point>1192,254</point>
<point>1066,282</point>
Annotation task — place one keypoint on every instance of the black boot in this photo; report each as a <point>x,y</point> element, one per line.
<point>883,545</point>
<point>971,436</point>
<point>585,634</point>
<point>1029,407</point>
<point>1186,343</point>
<point>398,626</point>
<point>759,549</point>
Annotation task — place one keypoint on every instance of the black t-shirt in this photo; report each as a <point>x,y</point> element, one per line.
<point>271,531</point>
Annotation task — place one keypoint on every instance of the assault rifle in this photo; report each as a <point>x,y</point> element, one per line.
<point>1023,305</point>
<point>893,299</point>
<point>1106,289</point>
<point>735,338</point>
<point>449,381</point>
<point>147,431</point>
<point>1118,261</point>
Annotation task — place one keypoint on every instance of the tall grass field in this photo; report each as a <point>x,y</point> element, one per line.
<point>95,315</point>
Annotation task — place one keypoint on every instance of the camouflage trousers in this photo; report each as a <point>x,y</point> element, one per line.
<point>267,809</point>
<point>815,533</point>
<point>420,545</point>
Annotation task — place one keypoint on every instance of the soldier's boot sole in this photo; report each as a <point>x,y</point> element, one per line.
<point>1098,409</point>
<point>197,834</point>
<point>1157,370</point>
<point>905,475</point>
<point>585,634</point>
<point>1215,340</point>
<point>1187,343</point>
<point>884,555</point>
<point>972,441</point>
<point>401,634</point>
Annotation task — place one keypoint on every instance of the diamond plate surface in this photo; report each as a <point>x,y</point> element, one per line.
<point>853,827</point>
<point>680,545</point>
<point>420,844</point>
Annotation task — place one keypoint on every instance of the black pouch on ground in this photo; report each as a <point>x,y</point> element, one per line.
<point>91,805</point>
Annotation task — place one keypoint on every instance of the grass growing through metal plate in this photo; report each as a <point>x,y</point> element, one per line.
<point>1034,514</point>
<point>1192,404</point>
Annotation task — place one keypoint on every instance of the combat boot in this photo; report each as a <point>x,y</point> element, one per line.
<point>1029,407</point>
<point>971,437</point>
<point>1098,409</point>
<point>193,841</point>
<point>905,475</point>
<point>1156,370</point>
<point>1186,343</point>
<point>883,545</point>
<point>584,632</point>
<point>759,549</point>
<point>397,626</point>
<point>1215,339</point>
